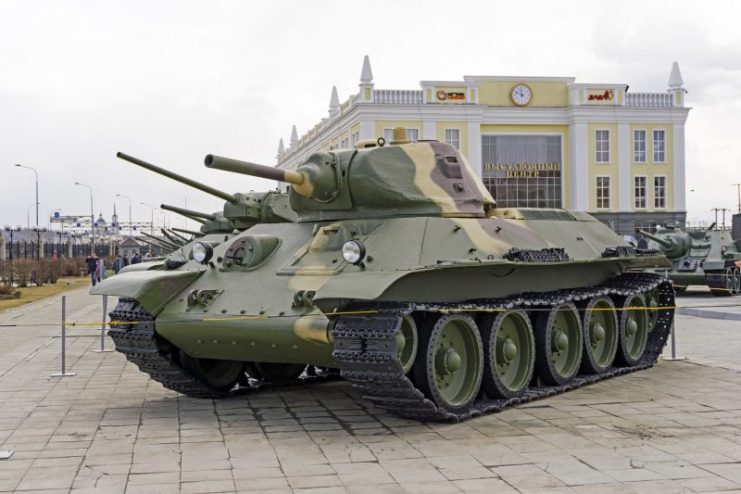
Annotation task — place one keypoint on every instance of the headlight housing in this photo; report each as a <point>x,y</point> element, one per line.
<point>202,252</point>
<point>353,251</point>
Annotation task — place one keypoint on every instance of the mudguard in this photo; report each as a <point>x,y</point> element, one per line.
<point>153,289</point>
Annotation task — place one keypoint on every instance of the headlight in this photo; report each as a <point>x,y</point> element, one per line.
<point>202,252</point>
<point>353,251</point>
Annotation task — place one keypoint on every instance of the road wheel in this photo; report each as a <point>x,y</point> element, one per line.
<point>633,324</point>
<point>276,373</point>
<point>652,304</point>
<point>219,375</point>
<point>558,344</point>
<point>736,280</point>
<point>600,323</point>
<point>451,371</point>
<point>509,353</point>
<point>407,343</point>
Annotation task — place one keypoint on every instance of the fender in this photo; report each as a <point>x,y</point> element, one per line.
<point>153,289</point>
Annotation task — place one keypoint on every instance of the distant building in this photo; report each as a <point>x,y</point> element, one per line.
<point>535,141</point>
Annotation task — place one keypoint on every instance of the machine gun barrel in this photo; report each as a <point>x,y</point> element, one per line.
<point>255,170</point>
<point>189,213</point>
<point>658,240</point>
<point>187,181</point>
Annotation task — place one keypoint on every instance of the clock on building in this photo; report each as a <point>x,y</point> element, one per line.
<point>521,94</point>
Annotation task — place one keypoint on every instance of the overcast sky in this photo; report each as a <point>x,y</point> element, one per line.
<point>171,81</point>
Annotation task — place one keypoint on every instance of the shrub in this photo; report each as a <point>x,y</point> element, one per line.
<point>8,292</point>
<point>24,271</point>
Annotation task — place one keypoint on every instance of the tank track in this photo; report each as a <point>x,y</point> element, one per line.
<point>716,281</point>
<point>365,346</point>
<point>139,343</point>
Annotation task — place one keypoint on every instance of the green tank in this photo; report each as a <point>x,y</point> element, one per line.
<point>701,256</point>
<point>399,271</point>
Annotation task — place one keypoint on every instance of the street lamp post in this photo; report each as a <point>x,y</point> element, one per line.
<point>92,218</point>
<point>28,215</point>
<point>37,188</point>
<point>131,233</point>
<point>12,230</point>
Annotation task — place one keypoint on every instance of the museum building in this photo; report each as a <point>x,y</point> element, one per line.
<point>535,141</point>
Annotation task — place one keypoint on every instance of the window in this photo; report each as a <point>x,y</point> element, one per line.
<point>639,146</point>
<point>412,135</point>
<point>659,146</point>
<point>639,192</point>
<point>354,138</point>
<point>453,137</point>
<point>344,144</point>
<point>602,142</point>
<point>603,193</point>
<point>659,192</point>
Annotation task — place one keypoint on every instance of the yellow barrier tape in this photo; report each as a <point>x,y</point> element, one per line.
<point>262,317</point>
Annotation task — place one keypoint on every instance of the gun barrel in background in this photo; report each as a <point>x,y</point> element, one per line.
<point>656,239</point>
<point>253,169</point>
<point>189,213</point>
<point>187,181</point>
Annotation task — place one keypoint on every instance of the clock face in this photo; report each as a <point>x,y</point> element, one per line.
<point>521,95</point>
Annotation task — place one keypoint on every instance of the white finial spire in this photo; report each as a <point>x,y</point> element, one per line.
<point>281,147</point>
<point>366,75</point>
<point>294,137</point>
<point>334,102</point>
<point>675,78</point>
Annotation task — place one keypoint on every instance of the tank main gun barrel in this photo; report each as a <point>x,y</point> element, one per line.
<point>180,238</point>
<point>163,242</point>
<point>172,238</point>
<point>187,181</point>
<point>658,240</point>
<point>187,232</point>
<point>255,170</point>
<point>189,213</point>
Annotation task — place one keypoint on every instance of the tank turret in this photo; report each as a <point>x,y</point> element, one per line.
<point>425,178</point>
<point>674,243</point>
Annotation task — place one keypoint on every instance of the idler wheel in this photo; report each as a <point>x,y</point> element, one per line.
<point>509,353</point>
<point>219,375</point>
<point>451,371</point>
<point>633,329</point>
<point>600,326</point>
<point>407,343</point>
<point>558,344</point>
<point>275,373</point>
<point>736,280</point>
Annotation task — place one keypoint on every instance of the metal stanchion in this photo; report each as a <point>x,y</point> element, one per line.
<point>64,373</point>
<point>103,325</point>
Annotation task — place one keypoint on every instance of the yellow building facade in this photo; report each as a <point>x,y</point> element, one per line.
<point>535,141</point>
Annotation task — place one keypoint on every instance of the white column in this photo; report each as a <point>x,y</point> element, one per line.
<point>679,176</point>
<point>474,145</point>
<point>578,168</point>
<point>429,130</point>
<point>3,249</point>
<point>623,163</point>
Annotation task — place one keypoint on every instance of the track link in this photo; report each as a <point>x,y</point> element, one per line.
<point>366,348</point>
<point>133,332</point>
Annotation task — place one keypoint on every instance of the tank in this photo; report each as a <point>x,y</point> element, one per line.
<point>701,256</point>
<point>240,212</point>
<point>398,271</point>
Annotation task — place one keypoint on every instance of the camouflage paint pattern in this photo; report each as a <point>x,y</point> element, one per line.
<point>431,235</point>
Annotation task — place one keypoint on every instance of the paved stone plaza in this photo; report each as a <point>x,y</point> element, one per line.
<point>673,428</point>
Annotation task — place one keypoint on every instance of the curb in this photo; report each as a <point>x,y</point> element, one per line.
<point>710,314</point>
